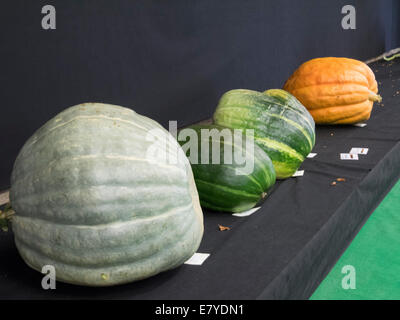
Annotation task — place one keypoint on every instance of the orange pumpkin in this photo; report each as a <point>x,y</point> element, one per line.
<point>335,90</point>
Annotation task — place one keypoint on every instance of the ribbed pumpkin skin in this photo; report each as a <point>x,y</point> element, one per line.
<point>335,90</point>
<point>283,128</point>
<point>220,187</point>
<point>90,203</point>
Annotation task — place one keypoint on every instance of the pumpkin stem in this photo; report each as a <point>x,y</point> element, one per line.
<point>5,216</point>
<point>374,97</point>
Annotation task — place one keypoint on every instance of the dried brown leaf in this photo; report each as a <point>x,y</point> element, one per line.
<point>223,228</point>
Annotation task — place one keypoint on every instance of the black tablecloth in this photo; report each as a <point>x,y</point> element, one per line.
<point>283,250</point>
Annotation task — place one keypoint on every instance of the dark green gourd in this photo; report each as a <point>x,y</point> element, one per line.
<point>229,187</point>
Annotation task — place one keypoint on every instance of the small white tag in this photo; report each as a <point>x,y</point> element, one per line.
<point>246,213</point>
<point>361,125</point>
<point>311,155</point>
<point>359,150</point>
<point>197,259</point>
<point>299,173</point>
<point>348,156</point>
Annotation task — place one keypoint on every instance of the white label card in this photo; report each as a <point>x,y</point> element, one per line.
<point>359,150</point>
<point>361,125</point>
<point>298,173</point>
<point>311,155</point>
<point>197,259</point>
<point>246,213</point>
<point>348,156</point>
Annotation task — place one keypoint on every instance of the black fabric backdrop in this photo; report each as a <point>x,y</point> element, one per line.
<point>169,60</point>
<point>283,250</point>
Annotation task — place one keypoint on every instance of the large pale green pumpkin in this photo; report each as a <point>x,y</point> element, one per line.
<point>90,201</point>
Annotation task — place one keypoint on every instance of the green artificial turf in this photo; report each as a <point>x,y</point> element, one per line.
<point>375,256</point>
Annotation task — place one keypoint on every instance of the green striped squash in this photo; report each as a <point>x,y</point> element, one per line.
<point>231,184</point>
<point>282,125</point>
<point>91,202</point>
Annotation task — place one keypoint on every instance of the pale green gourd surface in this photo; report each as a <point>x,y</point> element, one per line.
<point>90,202</point>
